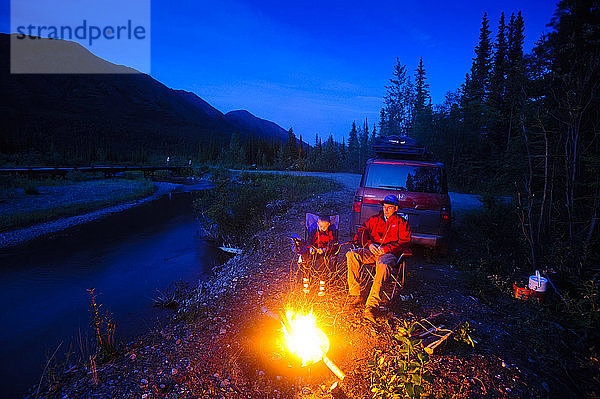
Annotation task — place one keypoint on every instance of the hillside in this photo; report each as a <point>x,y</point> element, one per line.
<point>111,116</point>
<point>244,120</point>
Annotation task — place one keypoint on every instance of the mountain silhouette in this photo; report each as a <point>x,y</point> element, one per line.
<point>108,115</point>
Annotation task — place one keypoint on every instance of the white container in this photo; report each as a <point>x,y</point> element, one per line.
<point>537,283</point>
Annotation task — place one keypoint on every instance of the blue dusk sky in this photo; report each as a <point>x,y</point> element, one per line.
<point>317,66</point>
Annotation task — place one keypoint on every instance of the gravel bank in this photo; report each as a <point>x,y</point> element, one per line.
<point>21,236</point>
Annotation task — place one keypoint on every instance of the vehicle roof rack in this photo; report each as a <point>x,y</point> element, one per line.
<point>400,147</point>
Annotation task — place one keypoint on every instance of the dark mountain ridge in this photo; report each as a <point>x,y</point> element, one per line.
<point>110,116</point>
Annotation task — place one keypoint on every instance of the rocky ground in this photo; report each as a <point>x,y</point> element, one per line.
<point>225,340</point>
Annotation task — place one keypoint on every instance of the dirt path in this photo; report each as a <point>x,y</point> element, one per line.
<point>225,343</point>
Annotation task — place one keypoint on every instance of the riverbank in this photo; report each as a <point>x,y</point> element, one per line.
<point>74,197</point>
<point>224,340</point>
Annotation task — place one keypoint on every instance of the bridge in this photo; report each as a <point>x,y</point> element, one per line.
<point>109,171</point>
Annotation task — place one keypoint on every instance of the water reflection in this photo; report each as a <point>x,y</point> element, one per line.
<point>125,257</point>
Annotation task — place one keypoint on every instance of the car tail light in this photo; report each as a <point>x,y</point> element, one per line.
<point>357,204</point>
<point>445,214</point>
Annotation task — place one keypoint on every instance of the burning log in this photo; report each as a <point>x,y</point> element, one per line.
<point>430,348</point>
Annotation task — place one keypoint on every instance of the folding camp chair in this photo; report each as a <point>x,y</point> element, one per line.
<point>306,262</point>
<point>397,275</point>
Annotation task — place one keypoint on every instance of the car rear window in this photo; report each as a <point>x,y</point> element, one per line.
<point>423,179</point>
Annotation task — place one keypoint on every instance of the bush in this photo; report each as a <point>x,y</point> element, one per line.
<point>240,205</point>
<point>490,240</point>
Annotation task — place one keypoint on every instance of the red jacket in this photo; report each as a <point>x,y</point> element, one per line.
<point>392,236</point>
<point>321,239</point>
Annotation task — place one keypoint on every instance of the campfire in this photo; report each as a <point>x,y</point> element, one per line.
<point>305,340</point>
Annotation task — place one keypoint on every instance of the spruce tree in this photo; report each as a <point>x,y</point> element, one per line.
<point>396,113</point>
<point>477,83</point>
<point>515,77</point>
<point>496,100</point>
<point>422,109</point>
<point>353,148</point>
<point>422,97</point>
<point>291,146</point>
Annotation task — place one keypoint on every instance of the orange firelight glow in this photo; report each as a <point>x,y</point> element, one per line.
<point>303,338</point>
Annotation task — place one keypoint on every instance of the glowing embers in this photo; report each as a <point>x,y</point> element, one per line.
<point>303,338</point>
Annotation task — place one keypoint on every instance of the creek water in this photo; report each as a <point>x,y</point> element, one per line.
<point>127,258</point>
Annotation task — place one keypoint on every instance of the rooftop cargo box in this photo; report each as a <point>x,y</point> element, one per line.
<point>400,147</point>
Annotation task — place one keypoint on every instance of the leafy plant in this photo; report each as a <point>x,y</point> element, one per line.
<point>401,372</point>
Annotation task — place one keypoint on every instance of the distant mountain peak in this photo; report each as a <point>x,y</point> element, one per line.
<point>256,125</point>
<point>110,103</point>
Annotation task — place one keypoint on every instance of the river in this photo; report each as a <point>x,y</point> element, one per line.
<point>126,257</point>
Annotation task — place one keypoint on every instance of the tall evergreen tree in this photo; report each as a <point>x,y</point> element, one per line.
<point>477,84</point>
<point>397,111</point>
<point>422,115</point>
<point>330,156</point>
<point>496,100</point>
<point>515,77</point>
<point>422,96</point>
<point>353,148</point>
<point>291,146</point>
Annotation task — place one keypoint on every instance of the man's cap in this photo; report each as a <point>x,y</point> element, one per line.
<point>390,199</point>
<point>324,218</point>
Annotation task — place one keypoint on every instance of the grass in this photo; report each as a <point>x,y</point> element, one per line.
<point>242,204</point>
<point>100,194</point>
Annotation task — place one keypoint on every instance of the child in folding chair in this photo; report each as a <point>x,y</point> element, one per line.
<point>321,248</point>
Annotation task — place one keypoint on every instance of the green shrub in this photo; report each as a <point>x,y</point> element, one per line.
<point>240,205</point>
<point>402,371</point>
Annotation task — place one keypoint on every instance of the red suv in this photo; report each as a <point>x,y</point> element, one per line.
<point>421,188</point>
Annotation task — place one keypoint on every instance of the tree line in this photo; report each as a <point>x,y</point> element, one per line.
<point>521,124</point>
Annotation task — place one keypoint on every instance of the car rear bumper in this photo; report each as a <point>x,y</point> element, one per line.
<point>427,240</point>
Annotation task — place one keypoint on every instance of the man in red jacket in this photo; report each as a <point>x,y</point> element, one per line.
<point>383,238</point>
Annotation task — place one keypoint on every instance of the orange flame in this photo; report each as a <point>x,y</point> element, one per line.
<point>303,338</point>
